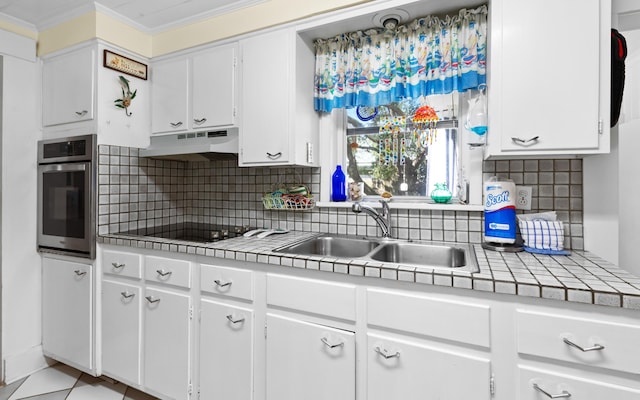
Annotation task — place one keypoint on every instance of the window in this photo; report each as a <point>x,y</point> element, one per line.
<point>388,152</point>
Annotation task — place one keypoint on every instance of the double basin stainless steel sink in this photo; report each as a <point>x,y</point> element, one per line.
<point>422,255</point>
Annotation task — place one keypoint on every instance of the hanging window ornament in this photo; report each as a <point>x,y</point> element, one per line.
<point>389,145</point>
<point>425,122</point>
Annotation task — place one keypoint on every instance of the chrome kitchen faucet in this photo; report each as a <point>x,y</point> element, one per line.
<point>383,220</point>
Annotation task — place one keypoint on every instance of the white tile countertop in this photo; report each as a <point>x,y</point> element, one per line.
<point>580,277</point>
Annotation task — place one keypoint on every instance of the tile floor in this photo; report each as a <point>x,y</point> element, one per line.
<point>61,382</point>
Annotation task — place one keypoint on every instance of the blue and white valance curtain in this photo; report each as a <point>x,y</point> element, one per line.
<point>428,56</point>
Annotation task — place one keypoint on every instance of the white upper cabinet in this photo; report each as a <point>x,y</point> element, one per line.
<point>79,96</point>
<point>68,87</point>
<point>549,77</point>
<point>170,95</point>
<point>279,125</point>
<point>195,92</point>
<point>213,94</point>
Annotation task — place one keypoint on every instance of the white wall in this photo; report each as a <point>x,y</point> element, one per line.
<point>610,194</point>
<point>628,160</point>
<point>21,264</point>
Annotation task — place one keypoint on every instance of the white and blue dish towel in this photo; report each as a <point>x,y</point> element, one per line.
<point>542,233</point>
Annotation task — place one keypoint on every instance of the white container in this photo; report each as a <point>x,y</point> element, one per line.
<point>499,211</point>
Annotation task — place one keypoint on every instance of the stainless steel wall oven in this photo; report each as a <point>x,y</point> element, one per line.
<point>66,190</point>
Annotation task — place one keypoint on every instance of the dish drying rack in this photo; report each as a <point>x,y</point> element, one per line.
<point>293,197</point>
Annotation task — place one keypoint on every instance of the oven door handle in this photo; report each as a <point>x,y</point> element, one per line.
<point>75,166</point>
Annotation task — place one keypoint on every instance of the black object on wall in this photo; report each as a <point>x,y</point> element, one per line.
<point>618,56</point>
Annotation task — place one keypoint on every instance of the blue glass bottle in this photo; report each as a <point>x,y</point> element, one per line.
<point>338,185</point>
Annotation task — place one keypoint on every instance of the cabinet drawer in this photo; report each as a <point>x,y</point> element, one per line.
<point>458,321</point>
<point>166,270</point>
<point>320,297</point>
<point>568,387</point>
<point>225,281</point>
<point>122,264</point>
<point>393,364</point>
<point>544,335</point>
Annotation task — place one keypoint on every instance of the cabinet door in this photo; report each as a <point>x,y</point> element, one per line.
<point>121,331</point>
<point>569,387</point>
<point>169,96</point>
<point>309,361</point>
<point>266,78</point>
<point>166,343</point>
<point>68,87</point>
<point>213,88</point>
<point>226,352</point>
<point>401,369</point>
<point>545,82</point>
<point>67,312</point>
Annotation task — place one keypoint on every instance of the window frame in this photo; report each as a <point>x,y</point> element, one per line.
<point>332,152</point>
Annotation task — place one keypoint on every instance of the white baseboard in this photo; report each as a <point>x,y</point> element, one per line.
<point>24,364</point>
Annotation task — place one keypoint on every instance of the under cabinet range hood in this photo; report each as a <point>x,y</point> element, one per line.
<point>194,146</point>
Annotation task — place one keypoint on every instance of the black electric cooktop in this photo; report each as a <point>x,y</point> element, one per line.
<point>191,231</point>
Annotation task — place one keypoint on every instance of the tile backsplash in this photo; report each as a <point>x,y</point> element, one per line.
<point>137,192</point>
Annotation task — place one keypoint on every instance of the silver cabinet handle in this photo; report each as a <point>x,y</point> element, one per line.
<point>221,284</point>
<point>329,345</point>
<point>199,121</point>
<point>80,273</point>
<point>274,156</point>
<point>116,265</point>
<point>127,295</point>
<point>233,320</point>
<point>563,395</point>
<point>81,113</point>
<point>163,273</point>
<point>151,299</point>
<point>525,142</point>
<point>385,353</point>
<point>175,124</point>
<point>595,347</point>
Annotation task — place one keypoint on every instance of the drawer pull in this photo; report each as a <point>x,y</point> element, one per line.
<point>563,395</point>
<point>221,284</point>
<point>80,273</point>
<point>274,156</point>
<point>127,295</point>
<point>199,121</point>
<point>233,320</point>
<point>152,300</point>
<point>163,273</point>
<point>116,265</point>
<point>525,142</point>
<point>81,113</point>
<point>595,347</point>
<point>329,345</point>
<point>385,353</point>
<point>175,124</point>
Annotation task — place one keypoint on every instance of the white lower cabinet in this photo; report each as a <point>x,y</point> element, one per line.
<point>309,361</point>
<point>289,336</point>
<point>67,312</point>
<point>410,369</point>
<point>226,351</point>
<point>166,338</point>
<point>536,384</point>
<point>121,329</point>
<point>596,349</point>
<point>583,340</point>
<point>147,323</point>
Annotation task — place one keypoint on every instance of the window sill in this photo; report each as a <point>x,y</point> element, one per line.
<point>398,205</point>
